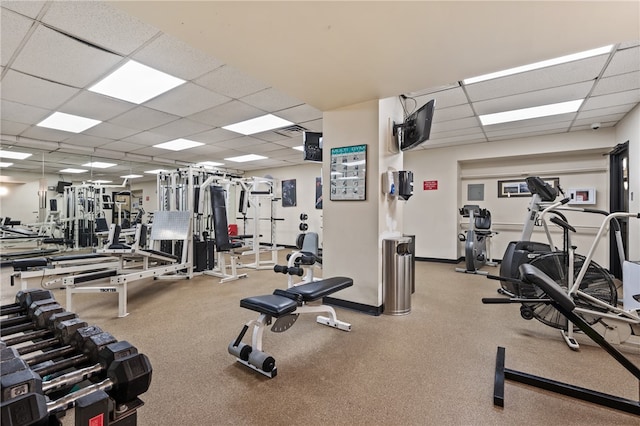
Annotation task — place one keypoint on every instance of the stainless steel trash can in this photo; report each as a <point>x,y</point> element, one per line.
<point>412,250</point>
<point>396,275</point>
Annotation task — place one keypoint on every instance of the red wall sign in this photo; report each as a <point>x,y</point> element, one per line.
<point>430,185</point>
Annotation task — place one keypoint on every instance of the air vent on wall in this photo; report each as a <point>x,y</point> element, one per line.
<point>291,131</point>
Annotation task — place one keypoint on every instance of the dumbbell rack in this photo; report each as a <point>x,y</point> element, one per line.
<point>52,361</point>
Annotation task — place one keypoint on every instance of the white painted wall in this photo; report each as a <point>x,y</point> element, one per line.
<point>629,130</point>
<point>433,215</point>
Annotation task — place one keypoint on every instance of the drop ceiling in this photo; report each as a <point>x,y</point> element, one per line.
<point>295,60</point>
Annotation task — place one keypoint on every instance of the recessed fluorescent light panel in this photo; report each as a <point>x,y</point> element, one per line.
<point>209,164</point>
<point>73,171</point>
<point>528,113</point>
<point>258,124</point>
<point>14,155</point>
<point>3,164</point>
<point>299,148</point>
<point>136,83</point>
<point>155,172</point>
<point>131,176</point>
<point>542,64</point>
<point>245,158</point>
<point>178,144</point>
<point>99,165</point>
<point>68,122</point>
<point>101,181</point>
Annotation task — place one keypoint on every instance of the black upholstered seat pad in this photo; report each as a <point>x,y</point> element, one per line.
<point>77,257</point>
<point>270,304</point>
<point>317,289</point>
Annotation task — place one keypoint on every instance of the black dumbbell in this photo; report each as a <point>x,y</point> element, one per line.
<point>43,308</point>
<point>24,298</point>
<point>127,378</point>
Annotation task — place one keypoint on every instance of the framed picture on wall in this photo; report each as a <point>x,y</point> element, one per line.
<point>348,173</point>
<point>519,188</point>
<point>289,193</point>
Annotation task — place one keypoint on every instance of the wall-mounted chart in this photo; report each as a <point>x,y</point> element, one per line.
<point>348,173</point>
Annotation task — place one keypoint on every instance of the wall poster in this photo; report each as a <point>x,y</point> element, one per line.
<point>348,173</point>
<point>289,198</point>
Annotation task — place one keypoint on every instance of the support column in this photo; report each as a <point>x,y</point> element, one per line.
<point>353,230</point>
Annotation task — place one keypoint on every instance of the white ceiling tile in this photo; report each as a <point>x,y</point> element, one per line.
<point>629,43</point>
<point>624,61</point>
<point>143,118</point>
<point>444,98</point>
<point>14,28</point>
<point>110,131</point>
<point>611,118</point>
<point>618,109</point>
<point>187,99</point>
<point>540,97</point>
<point>173,56</point>
<point>21,113</point>
<point>604,101</point>
<point>290,142</point>
<point>29,8</point>
<point>121,146</point>
<point>46,134</point>
<point>555,76</point>
<point>312,125</point>
<point>445,126</point>
<point>8,127</point>
<point>457,132</point>
<point>93,105</point>
<point>230,82</point>
<point>146,139</point>
<point>225,114</point>
<point>60,58</point>
<point>29,90</point>
<point>452,113</point>
<point>271,100</point>
<point>99,23</point>
<point>239,143</point>
<point>300,113</point>
<point>475,136</point>
<point>214,136</point>
<point>182,127</point>
<point>617,83</point>
<point>86,140</point>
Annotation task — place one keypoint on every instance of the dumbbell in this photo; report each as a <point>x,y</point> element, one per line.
<point>90,341</point>
<point>293,270</point>
<point>35,316</point>
<point>126,378</point>
<point>24,298</point>
<point>49,328</point>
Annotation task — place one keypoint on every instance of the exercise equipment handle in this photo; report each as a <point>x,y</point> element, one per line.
<point>496,300</point>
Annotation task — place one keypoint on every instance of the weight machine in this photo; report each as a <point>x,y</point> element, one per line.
<point>256,192</point>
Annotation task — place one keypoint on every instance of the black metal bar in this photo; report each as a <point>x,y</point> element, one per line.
<point>606,400</point>
<point>26,337</point>
<point>498,382</point>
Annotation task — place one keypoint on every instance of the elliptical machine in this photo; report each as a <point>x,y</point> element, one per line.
<point>524,250</point>
<point>477,247</point>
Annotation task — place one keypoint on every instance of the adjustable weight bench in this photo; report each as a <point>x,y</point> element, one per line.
<point>285,306</point>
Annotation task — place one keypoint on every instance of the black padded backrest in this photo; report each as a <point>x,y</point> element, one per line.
<point>220,224</point>
<point>101,224</point>
<point>484,220</point>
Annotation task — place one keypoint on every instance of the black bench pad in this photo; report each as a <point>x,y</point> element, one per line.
<point>317,289</point>
<point>24,264</point>
<point>76,257</point>
<point>270,304</point>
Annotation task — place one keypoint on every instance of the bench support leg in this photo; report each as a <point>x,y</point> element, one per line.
<point>331,320</point>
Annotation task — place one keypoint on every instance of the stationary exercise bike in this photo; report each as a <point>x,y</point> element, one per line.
<point>590,286</point>
<point>477,247</point>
